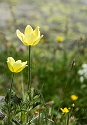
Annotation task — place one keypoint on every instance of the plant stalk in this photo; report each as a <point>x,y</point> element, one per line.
<point>22,85</point>
<point>29,67</point>
<point>9,104</point>
<point>67,119</point>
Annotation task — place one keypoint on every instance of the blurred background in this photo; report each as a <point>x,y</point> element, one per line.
<point>59,56</point>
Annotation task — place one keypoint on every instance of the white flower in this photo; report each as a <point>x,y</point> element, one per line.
<point>83,72</point>
<point>85,75</point>
<point>81,79</point>
<point>84,66</point>
<point>80,72</point>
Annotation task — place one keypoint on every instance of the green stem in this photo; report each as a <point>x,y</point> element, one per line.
<point>22,85</point>
<point>9,104</point>
<point>11,83</point>
<point>46,116</point>
<point>67,119</point>
<point>29,78</point>
<point>29,67</point>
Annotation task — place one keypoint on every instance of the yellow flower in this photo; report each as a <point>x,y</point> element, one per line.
<point>60,39</point>
<point>74,97</point>
<point>15,66</point>
<point>65,110</point>
<point>30,37</point>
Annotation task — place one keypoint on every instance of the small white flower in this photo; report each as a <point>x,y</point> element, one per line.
<point>81,79</point>
<point>83,72</point>
<point>80,72</point>
<point>84,66</point>
<point>85,75</point>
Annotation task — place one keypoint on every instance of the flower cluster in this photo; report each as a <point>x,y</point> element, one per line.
<point>83,72</point>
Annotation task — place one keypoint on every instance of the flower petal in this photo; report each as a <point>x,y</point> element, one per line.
<point>37,41</point>
<point>22,67</point>
<point>10,60</point>
<point>36,32</point>
<point>10,67</point>
<point>28,30</point>
<point>17,65</point>
<point>20,35</point>
<point>30,39</point>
